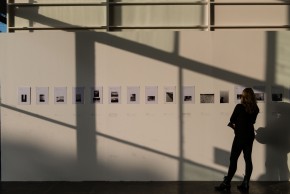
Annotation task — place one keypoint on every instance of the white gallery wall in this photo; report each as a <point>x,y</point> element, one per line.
<point>168,139</point>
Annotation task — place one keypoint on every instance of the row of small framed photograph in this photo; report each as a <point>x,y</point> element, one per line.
<point>96,95</point>
<point>133,95</point>
<point>277,93</point>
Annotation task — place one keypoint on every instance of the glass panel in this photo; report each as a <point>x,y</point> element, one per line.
<point>251,15</point>
<point>155,1</point>
<point>2,27</point>
<point>160,15</point>
<point>59,1</point>
<point>60,16</point>
<point>250,1</point>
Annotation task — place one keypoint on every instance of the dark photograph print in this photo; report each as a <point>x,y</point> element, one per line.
<point>114,97</point>
<point>24,94</point>
<point>150,98</point>
<point>96,96</point>
<point>259,93</point>
<point>260,96</point>
<point>277,97</point>
<point>239,96</point>
<point>23,97</point>
<point>96,93</point>
<point>133,98</point>
<point>60,99</point>
<point>169,97</point>
<point>224,97</point>
<point>277,93</point>
<point>41,95</point>
<point>60,94</point>
<point>206,98</point>
<point>96,100</point>
<point>78,97</point>
<point>187,98</point>
<point>41,98</point>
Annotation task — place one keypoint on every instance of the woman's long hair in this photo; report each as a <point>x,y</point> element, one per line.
<point>249,100</point>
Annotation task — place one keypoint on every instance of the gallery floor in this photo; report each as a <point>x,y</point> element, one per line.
<point>195,187</point>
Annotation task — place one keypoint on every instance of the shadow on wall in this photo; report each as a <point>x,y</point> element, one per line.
<point>32,14</point>
<point>84,129</point>
<point>276,137</point>
<point>52,166</point>
<point>188,170</point>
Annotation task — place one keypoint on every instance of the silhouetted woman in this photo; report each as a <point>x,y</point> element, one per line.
<point>242,121</point>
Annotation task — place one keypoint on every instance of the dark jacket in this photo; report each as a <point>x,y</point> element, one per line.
<point>243,121</point>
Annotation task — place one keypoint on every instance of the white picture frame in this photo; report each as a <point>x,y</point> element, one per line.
<point>24,95</point>
<point>115,95</point>
<point>238,93</point>
<point>188,94</point>
<point>170,94</point>
<point>133,94</point>
<point>151,94</point>
<point>224,96</point>
<point>78,95</point>
<point>260,93</point>
<point>97,95</point>
<point>42,95</point>
<point>60,95</point>
<point>277,93</point>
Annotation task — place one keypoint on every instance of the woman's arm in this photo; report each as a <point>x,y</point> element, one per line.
<point>235,114</point>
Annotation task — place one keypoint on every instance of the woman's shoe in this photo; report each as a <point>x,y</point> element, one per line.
<point>224,186</point>
<point>244,186</point>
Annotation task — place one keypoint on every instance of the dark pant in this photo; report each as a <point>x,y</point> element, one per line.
<point>240,144</point>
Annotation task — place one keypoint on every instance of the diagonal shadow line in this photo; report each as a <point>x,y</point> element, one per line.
<point>109,137</point>
<point>154,151</point>
<point>153,53</point>
<point>37,116</point>
<point>179,61</point>
<point>35,17</point>
<point>74,127</point>
<point>173,59</point>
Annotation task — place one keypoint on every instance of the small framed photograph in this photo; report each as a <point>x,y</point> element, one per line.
<point>42,95</point>
<point>224,96</point>
<point>206,98</point>
<point>133,95</point>
<point>277,93</point>
<point>238,93</point>
<point>260,93</point>
<point>24,95</point>
<point>188,94</point>
<point>151,94</point>
<point>115,95</point>
<point>169,94</point>
<point>60,95</point>
<point>97,95</point>
<point>78,94</point>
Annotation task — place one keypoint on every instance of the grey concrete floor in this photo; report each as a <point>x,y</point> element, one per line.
<point>188,187</point>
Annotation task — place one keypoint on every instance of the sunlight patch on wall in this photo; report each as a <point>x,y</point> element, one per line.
<point>282,67</point>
